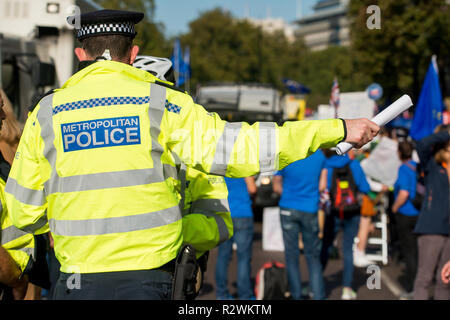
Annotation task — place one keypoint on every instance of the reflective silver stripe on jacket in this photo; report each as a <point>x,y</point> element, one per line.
<point>267,147</point>
<point>23,194</point>
<point>182,177</point>
<point>224,148</point>
<point>95,227</point>
<point>209,207</point>
<point>11,233</point>
<point>37,225</point>
<point>155,114</point>
<point>104,180</point>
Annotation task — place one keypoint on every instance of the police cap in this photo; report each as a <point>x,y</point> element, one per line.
<point>107,22</point>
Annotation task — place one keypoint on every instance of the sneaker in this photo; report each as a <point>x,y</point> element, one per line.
<point>360,260</point>
<point>348,294</point>
<point>406,296</point>
<point>307,293</point>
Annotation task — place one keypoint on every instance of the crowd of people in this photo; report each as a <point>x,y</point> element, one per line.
<point>106,197</point>
<point>119,173</point>
<point>326,193</point>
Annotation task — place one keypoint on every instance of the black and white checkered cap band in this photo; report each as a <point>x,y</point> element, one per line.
<point>126,28</point>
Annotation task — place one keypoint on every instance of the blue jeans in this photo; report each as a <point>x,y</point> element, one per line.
<point>293,222</point>
<point>243,236</point>
<point>350,229</point>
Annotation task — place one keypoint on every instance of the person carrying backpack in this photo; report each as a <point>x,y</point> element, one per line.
<point>346,182</point>
<point>406,213</point>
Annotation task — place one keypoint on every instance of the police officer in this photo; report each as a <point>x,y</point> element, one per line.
<point>16,247</point>
<point>94,152</point>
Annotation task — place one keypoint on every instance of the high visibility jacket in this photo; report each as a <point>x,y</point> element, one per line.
<point>19,244</point>
<point>206,214</point>
<point>94,165</point>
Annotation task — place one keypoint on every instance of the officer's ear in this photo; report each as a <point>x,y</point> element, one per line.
<point>134,53</point>
<point>82,54</point>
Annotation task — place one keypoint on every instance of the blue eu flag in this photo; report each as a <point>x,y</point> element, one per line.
<point>428,114</point>
<point>178,63</point>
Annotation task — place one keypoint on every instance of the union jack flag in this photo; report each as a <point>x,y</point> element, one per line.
<point>334,98</point>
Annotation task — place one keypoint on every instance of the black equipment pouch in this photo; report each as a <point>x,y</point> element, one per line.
<point>185,277</point>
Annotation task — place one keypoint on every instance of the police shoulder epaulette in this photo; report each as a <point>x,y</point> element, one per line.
<point>161,83</point>
<point>34,105</point>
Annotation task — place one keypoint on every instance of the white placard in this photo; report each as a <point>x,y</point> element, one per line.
<point>354,105</point>
<point>272,236</point>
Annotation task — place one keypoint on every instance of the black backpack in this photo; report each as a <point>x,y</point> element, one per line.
<point>344,193</point>
<point>271,282</point>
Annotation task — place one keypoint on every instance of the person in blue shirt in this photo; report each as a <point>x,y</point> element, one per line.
<point>349,225</point>
<point>298,185</point>
<point>240,191</point>
<point>404,193</point>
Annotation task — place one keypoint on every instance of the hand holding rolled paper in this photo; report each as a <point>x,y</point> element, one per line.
<point>388,114</point>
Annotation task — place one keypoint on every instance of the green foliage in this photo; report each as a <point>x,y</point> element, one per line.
<point>150,35</point>
<point>398,54</point>
<point>225,49</point>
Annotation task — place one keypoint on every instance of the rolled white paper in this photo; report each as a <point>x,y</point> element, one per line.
<point>392,111</point>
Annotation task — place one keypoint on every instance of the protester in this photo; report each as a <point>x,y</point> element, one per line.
<point>346,180</point>
<point>405,192</point>
<point>368,209</point>
<point>433,223</point>
<point>240,191</point>
<point>298,185</point>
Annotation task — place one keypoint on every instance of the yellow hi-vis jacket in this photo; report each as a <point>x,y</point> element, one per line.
<point>93,165</point>
<point>204,205</point>
<point>19,244</point>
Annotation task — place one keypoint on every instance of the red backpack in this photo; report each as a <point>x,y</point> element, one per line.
<point>344,193</point>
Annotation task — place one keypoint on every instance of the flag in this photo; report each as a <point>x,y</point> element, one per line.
<point>178,64</point>
<point>428,113</point>
<point>187,63</point>
<point>295,87</point>
<point>334,98</point>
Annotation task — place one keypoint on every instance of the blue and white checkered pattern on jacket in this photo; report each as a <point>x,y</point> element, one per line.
<point>110,101</point>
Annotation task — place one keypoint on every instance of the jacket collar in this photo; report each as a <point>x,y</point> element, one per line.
<point>112,67</point>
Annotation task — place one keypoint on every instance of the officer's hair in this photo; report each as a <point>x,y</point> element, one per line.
<point>119,46</point>
<point>405,149</point>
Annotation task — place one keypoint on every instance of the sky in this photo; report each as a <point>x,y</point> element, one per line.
<point>176,14</point>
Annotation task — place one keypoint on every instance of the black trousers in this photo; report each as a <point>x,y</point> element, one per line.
<point>125,285</point>
<point>408,246</point>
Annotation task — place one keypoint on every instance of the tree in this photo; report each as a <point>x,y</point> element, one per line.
<point>397,55</point>
<point>226,49</point>
<point>150,35</point>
